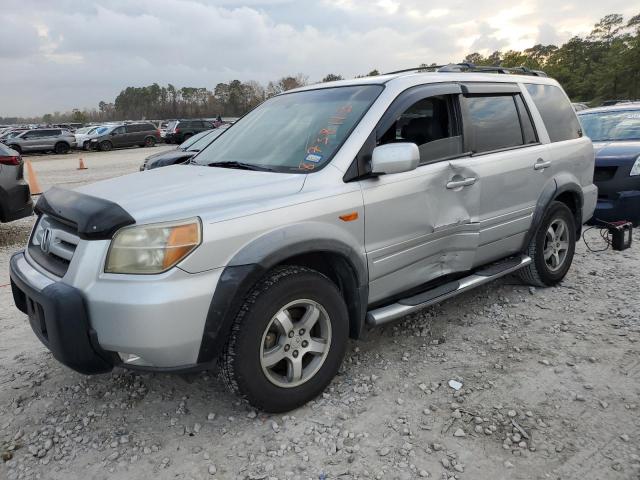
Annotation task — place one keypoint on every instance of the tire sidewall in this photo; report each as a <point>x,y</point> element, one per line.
<point>106,146</point>
<point>556,211</point>
<point>247,370</point>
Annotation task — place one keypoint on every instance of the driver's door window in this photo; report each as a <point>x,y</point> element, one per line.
<point>429,123</point>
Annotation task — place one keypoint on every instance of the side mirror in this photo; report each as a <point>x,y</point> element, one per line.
<point>395,158</point>
<point>113,134</point>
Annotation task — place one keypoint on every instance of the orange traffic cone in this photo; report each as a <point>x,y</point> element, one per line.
<point>81,165</point>
<point>32,180</point>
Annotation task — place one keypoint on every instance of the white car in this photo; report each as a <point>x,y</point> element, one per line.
<point>84,135</point>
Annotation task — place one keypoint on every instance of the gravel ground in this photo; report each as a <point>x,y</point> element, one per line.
<point>550,389</point>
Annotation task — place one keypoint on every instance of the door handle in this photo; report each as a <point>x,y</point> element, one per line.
<point>465,182</point>
<point>541,164</point>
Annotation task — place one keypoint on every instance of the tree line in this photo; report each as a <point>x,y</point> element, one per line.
<point>605,64</point>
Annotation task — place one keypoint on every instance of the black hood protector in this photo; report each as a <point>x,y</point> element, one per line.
<point>93,217</point>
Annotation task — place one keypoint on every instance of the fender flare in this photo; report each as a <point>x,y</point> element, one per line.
<point>253,261</point>
<point>561,184</point>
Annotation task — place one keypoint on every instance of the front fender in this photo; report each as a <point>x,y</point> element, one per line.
<point>265,252</point>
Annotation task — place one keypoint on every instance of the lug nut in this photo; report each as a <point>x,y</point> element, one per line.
<point>301,332</point>
<point>291,334</point>
<point>295,354</point>
<point>287,347</point>
<point>305,344</point>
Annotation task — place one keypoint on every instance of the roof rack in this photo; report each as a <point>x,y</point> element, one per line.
<point>470,67</point>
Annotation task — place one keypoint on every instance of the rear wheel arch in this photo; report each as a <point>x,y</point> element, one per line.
<point>563,189</point>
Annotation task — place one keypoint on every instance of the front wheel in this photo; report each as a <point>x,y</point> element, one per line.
<point>287,341</point>
<point>552,247</point>
<point>106,146</point>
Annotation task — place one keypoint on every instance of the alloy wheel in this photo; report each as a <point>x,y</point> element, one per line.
<point>295,343</point>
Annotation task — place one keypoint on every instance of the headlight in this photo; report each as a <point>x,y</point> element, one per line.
<point>635,170</point>
<point>153,248</point>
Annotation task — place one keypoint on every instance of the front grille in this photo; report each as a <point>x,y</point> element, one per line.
<point>602,174</point>
<point>53,244</point>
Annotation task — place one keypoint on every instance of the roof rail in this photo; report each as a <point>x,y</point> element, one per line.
<point>470,67</point>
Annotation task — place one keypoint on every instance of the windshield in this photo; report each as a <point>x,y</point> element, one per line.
<point>192,140</point>
<point>612,125</point>
<point>295,132</point>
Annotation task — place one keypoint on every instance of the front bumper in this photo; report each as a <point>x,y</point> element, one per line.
<point>59,318</point>
<point>92,321</point>
<point>621,206</point>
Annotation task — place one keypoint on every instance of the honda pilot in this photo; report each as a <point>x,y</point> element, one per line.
<point>326,209</point>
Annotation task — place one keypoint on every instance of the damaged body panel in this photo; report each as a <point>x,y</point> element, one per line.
<point>417,229</point>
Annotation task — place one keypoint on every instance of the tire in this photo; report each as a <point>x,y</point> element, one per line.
<point>186,136</point>
<point>61,148</point>
<point>543,272</point>
<point>149,142</point>
<point>243,362</point>
<point>105,146</point>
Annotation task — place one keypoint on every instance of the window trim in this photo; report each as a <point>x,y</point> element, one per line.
<point>528,114</point>
<point>360,168</point>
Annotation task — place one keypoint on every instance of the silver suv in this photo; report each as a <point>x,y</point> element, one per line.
<point>43,140</point>
<point>325,209</point>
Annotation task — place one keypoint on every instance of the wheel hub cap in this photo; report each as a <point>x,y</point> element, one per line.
<point>556,244</point>
<point>295,343</point>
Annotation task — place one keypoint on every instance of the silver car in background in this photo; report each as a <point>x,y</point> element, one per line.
<point>43,140</point>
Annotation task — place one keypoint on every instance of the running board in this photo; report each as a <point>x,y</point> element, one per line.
<point>409,305</point>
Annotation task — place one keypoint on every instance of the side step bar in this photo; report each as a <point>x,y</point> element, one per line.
<point>409,305</point>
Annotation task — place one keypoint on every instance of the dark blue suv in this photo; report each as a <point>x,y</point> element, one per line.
<point>615,132</point>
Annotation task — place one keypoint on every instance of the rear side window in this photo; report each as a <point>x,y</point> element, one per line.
<point>493,122</point>
<point>557,113</point>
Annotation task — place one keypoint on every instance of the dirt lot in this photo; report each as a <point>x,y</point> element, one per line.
<point>550,390</point>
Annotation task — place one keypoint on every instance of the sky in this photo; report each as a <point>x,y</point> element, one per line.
<point>65,54</point>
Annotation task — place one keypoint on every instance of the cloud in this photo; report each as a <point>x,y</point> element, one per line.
<point>69,54</point>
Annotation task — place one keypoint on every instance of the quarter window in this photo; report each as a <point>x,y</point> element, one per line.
<point>557,113</point>
<point>429,123</point>
<point>493,122</point>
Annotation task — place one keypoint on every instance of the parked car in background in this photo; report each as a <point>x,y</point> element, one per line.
<point>15,198</point>
<point>10,133</point>
<point>129,135</point>
<point>43,140</point>
<point>84,135</point>
<point>615,132</point>
<point>182,152</point>
<point>180,130</point>
<point>323,210</point>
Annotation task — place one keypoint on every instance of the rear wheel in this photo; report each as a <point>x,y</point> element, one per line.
<point>106,146</point>
<point>287,341</point>
<point>149,142</point>
<point>552,248</point>
<point>61,148</point>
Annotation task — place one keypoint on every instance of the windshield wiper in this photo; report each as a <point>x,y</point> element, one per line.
<point>240,166</point>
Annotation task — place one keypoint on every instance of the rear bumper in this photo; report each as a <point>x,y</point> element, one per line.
<point>59,318</point>
<point>16,202</point>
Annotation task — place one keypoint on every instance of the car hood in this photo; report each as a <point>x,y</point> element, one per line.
<point>172,159</point>
<point>174,151</point>
<point>180,191</point>
<point>613,153</point>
